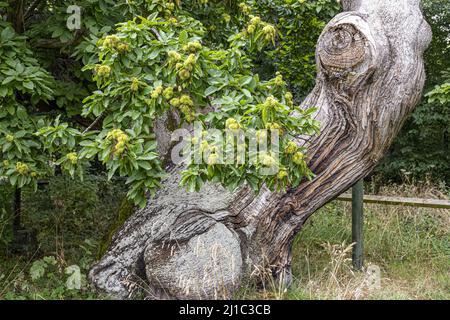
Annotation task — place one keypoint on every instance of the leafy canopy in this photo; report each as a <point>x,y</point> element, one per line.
<point>77,100</point>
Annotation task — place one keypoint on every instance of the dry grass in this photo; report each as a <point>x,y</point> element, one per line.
<point>407,252</point>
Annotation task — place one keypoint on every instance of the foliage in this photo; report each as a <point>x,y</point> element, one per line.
<point>171,69</point>
<point>64,212</point>
<point>5,214</point>
<point>132,61</point>
<point>47,278</point>
<point>441,93</point>
<point>67,210</point>
<point>71,219</point>
<point>162,59</point>
<point>299,24</point>
<point>24,83</point>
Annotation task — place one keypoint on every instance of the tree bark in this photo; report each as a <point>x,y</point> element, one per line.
<point>16,15</point>
<point>204,245</point>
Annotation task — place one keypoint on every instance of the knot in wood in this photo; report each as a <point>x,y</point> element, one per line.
<point>342,48</point>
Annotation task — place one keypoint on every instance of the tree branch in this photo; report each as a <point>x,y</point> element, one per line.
<point>56,43</point>
<point>16,17</point>
<point>93,124</point>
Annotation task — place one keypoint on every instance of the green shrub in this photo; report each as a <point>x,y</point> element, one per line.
<point>47,279</point>
<point>68,214</point>
<point>71,219</point>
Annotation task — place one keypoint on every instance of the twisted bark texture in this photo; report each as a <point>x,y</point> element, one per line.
<point>204,245</point>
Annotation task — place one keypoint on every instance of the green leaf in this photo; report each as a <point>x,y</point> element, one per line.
<point>37,269</point>
<point>152,55</point>
<point>210,90</point>
<point>8,80</point>
<point>247,93</point>
<point>3,91</point>
<point>183,36</point>
<point>57,33</point>
<point>73,282</point>
<point>145,164</point>
<point>246,80</point>
<point>7,34</point>
<point>11,109</point>
<point>13,180</point>
<point>28,85</point>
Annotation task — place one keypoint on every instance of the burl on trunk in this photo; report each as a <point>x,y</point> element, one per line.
<point>204,245</point>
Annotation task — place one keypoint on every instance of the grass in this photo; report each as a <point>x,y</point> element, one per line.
<point>407,256</point>
<point>409,248</point>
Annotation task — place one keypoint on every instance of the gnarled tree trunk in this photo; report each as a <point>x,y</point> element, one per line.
<point>203,245</point>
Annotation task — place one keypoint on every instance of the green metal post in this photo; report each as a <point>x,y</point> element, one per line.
<point>357,224</point>
<point>17,213</point>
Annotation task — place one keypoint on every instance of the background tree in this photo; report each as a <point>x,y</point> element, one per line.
<point>422,149</point>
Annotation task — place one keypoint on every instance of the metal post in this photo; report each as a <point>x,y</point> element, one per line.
<point>17,211</point>
<point>357,224</point>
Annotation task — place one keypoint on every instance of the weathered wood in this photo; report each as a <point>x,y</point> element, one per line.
<point>203,245</point>
<point>410,202</point>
